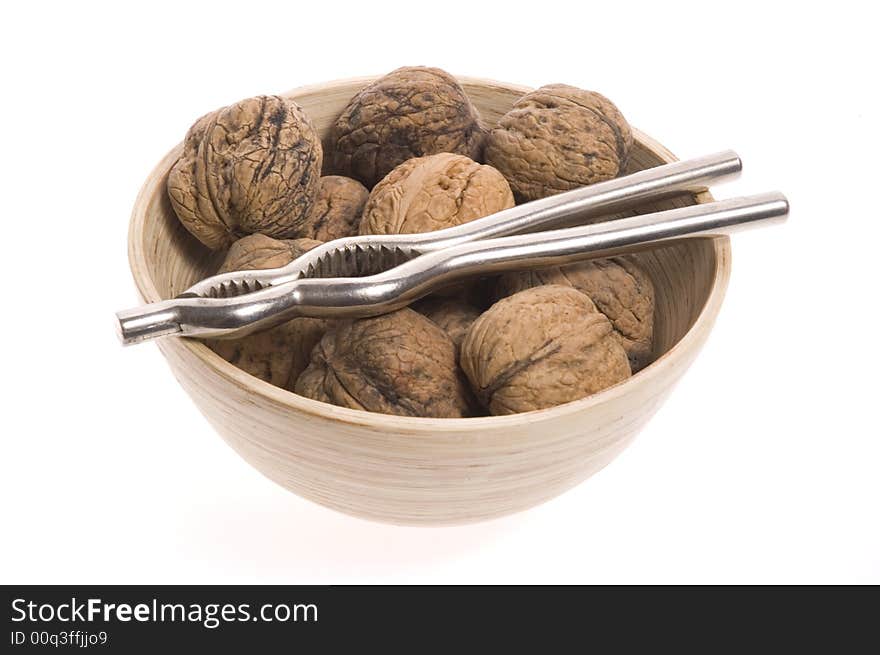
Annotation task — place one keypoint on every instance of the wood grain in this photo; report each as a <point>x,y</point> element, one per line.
<point>426,471</point>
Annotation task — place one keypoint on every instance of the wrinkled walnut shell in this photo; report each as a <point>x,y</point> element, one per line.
<point>277,355</point>
<point>399,363</point>
<point>432,193</point>
<point>618,286</point>
<point>337,209</point>
<point>249,167</point>
<point>539,348</point>
<point>558,138</point>
<point>411,112</point>
<point>257,251</point>
<point>453,315</point>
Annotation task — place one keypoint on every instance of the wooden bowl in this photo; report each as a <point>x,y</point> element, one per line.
<point>419,470</point>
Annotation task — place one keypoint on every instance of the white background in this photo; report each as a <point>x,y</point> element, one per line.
<point>763,466</point>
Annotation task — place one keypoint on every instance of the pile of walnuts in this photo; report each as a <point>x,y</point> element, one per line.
<point>410,153</point>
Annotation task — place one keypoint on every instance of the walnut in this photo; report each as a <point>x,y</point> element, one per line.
<point>411,112</point>
<point>539,348</point>
<point>558,138</point>
<point>337,209</point>
<point>399,363</point>
<point>257,251</point>
<point>249,167</point>
<point>453,315</point>
<point>277,355</point>
<point>434,192</point>
<point>619,287</point>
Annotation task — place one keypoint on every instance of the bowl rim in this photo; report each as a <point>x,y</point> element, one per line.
<point>689,343</point>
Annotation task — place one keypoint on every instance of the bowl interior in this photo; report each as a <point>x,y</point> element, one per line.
<point>683,273</point>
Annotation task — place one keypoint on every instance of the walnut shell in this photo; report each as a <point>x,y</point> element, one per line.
<point>337,209</point>
<point>399,363</point>
<point>558,138</point>
<point>618,286</point>
<point>277,355</point>
<point>411,112</point>
<point>453,315</point>
<point>434,192</point>
<point>539,348</point>
<point>257,251</point>
<point>250,167</point>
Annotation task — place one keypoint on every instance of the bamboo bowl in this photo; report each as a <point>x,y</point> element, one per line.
<point>417,470</point>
